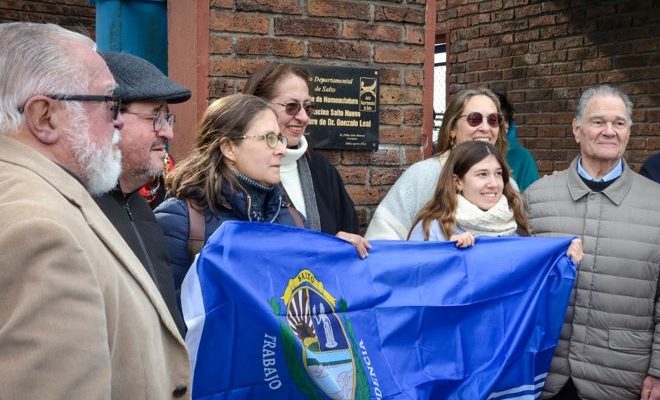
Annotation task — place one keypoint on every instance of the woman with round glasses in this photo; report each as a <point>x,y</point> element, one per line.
<point>310,181</point>
<point>232,174</point>
<point>472,114</point>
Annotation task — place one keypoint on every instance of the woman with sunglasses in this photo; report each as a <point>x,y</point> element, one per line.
<point>474,197</point>
<point>472,114</point>
<point>309,180</point>
<point>232,174</point>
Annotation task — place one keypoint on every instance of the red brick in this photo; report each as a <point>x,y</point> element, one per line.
<point>241,68</point>
<point>221,3</point>
<point>526,36</point>
<point>553,56</point>
<point>543,20</point>
<point>527,59</point>
<point>306,27</point>
<point>363,196</point>
<point>379,32</point>
<point>411,155</point>
<point>501,40</point>
<point>478,43</point>
<point>397,95</point>
<point>414,35</point>
<point>502,15</point>
<point>399,14</point>
<point>533,9</point>
<point>338,8</point>
<point>399,135</point>
<point>499,63</point>
<point>390,75</point>
<point>598,64</point>
<point>353,175</point>
<point>414,77</point>
<point>220,44</point>
<point>339,50</point>
<point>355,158</point>
<point>270,46</point>
<point>390,116</point>
<point>413,115</point>
<point>398,54</point>
<point>481,18</point>
<point>385,176</point>
<point>478,65</point>
<point>225,21</point>
<point>468,9</point>
<point>541,46</point>
<point>219,87</point>
<point>386,157</point>
<point>273,6</point>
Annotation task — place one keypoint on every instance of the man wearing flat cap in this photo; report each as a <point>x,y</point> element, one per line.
<point>145,93</point>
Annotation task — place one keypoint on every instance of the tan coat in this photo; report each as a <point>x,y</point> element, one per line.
<point>80,318</point>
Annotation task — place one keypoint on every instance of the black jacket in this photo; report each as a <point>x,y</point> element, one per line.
<point>336,209</point>
<point>651,168</point>
<point>135,221</point>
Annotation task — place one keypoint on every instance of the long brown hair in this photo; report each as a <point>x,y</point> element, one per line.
<point>200,176</point>
<point>442,207</point>
<point>455,109</point>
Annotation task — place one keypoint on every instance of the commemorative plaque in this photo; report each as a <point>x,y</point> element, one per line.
<point>345,108</point>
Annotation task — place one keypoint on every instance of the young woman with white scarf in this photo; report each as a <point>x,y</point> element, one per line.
<point>474,197</point>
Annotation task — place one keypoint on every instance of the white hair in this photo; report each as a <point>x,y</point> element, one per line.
<point>100,167</point>
<point>603,90</point>
<point>35,59</point>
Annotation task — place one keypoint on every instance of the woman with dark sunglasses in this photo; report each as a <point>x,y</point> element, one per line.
<point>472,114</point>
<point>312,184</point>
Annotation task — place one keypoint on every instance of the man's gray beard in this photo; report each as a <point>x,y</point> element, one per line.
<point>100,167</point>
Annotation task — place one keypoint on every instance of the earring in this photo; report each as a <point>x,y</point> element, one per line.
<point>452,142</point>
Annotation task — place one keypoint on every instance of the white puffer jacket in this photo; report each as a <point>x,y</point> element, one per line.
<point>610,339</point>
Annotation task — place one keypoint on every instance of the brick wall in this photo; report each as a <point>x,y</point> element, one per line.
<point>385,35</point>
<point>76,15</point>
<point>543,52</point>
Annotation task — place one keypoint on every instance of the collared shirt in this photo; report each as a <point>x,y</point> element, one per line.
<point>613,174</point>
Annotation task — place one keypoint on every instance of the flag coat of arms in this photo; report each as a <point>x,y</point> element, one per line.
<point>276,312</point>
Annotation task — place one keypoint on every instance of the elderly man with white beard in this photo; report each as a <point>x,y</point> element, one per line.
<point>79,315</point>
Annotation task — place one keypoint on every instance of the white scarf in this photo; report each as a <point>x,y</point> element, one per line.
<point>498,221</point>
<point>290,177</point>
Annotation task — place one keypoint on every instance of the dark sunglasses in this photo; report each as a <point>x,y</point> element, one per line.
<point>293,108</point>
<point>475,119</point>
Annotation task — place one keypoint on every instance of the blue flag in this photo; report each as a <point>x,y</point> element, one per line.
<point>276,312</point>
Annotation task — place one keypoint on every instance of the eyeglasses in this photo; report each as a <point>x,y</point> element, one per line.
<point>475,119</point>
<point>159,118</point>
<point>272,139</point>
<point>293,108</point>
<point>113,99</point>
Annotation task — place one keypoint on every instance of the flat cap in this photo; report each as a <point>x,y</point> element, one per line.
<point>140,80</point>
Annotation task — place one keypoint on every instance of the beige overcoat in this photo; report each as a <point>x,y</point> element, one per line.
<point>80,317</point>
